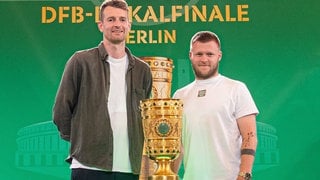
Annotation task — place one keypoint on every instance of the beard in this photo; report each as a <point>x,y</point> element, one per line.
<point>115,40</point>
<point>202,75</point>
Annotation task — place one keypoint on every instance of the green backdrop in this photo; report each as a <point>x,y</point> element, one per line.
<point>273,47</point>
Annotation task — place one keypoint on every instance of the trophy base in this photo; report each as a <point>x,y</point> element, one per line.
<point>163,177</point>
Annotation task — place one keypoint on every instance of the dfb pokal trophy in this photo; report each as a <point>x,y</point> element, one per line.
<point>162,120</point>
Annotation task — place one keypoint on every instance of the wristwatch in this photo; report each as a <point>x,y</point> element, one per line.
<point>245,175</point>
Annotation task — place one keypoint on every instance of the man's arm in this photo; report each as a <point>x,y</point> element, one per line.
<point>247,127</point>
<point>66,100</point>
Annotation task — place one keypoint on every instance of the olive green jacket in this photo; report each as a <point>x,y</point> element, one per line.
<point>81,107</point>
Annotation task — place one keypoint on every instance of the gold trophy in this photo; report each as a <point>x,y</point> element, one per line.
<point>162,118</point>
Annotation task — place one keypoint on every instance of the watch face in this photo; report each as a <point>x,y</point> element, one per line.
<point>247,176</point>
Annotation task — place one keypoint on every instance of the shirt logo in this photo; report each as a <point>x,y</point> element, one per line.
<point>202,92</point>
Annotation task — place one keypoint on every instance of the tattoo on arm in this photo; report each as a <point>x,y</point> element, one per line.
<point>248,152</point>
<point>246,141</point>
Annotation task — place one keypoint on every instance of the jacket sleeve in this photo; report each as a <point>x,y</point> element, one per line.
<point>66,98</point>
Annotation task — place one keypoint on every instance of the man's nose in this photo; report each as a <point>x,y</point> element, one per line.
<point>203,58</point>
<point>117,22</point>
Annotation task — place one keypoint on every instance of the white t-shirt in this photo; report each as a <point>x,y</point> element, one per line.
<point>210,134</point>
<point>118,116</point>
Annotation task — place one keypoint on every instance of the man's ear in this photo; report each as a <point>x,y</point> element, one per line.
<point>220,55</point>
<point>99,24</point>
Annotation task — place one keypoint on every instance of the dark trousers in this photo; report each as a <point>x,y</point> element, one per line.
<point>87,174</point>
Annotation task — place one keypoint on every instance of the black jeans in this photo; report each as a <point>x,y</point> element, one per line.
<point>87,174</point>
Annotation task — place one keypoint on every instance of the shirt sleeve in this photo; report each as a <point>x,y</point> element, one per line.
<point>245,104</point>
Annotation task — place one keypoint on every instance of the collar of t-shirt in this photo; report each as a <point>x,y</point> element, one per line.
<point>208,81</point>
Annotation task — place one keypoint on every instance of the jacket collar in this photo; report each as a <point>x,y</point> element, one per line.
<point>104,54</point>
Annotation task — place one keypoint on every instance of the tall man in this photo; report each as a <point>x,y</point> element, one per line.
<point>97,103</point>
<point>219,124</point>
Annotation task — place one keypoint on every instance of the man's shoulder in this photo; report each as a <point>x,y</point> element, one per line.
<point>86,55</point>
<point>139,60</point>
<point>87,52</point>
<point>179,93</point>
<point>231,81</point>
<point>139,63</point>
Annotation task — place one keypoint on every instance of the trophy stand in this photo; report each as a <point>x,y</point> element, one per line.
<point>161,119</point>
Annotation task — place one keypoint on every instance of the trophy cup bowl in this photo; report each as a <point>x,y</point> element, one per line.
<point>161,120</point>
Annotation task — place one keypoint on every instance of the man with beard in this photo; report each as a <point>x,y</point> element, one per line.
<point>97,103</point>
<point>219,124</point>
